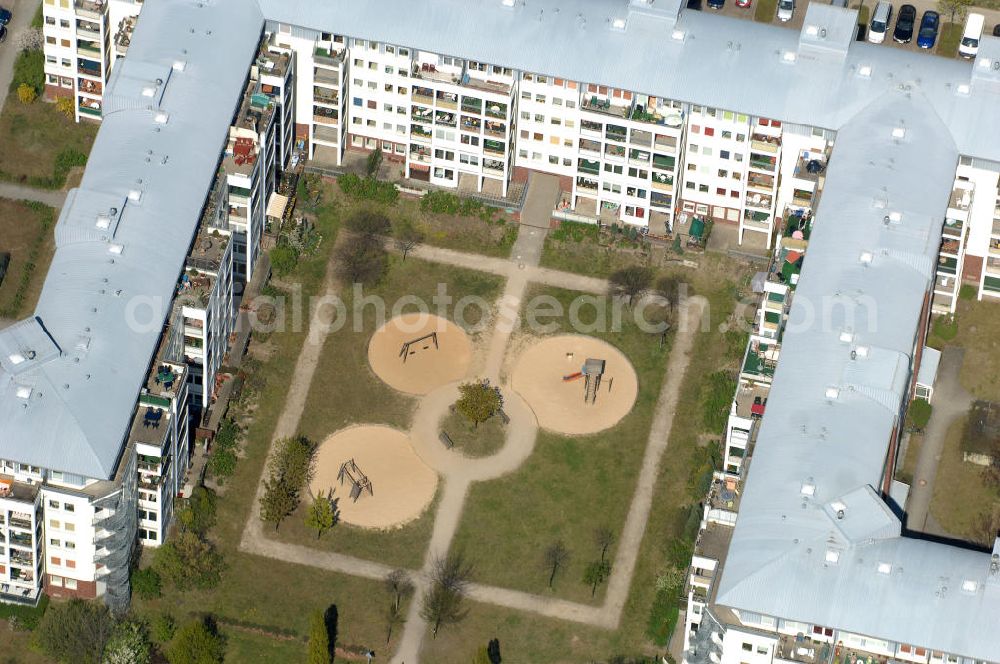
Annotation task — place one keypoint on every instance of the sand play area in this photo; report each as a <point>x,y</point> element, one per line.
<point>435,350</point>
<point>402,485</point>
<point>559,404</point>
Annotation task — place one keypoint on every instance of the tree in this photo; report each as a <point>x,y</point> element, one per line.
<point>284,258</point>
<point>188,561</point>
<point>954,8</point>
<point>669,288</point>
<point>604,539</point>
<point>918,415</point>
<point>128,645</point>
<point>146,583</point>
<point>630,282</point>
<point>988,526</point>
<point>407,236</point>
<point>443,604</point>
<point>322,515</point>
<point>369,223</point>
<point>374,161</point>
<point>30,39</point>
<point>276,503</point>
<point>556,555</point>
<point>197,513</point>
<point>26,94</point>
<point>493,651</point>
<point>361,260</point>
<point>75,632</point>
<point>393,617</point>
<point>196,642</point>
<point>596,573</point>
<point>399,585</point>
<point>319,640</point>
<point>479,401</point>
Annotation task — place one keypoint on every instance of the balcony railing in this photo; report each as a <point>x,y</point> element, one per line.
<point>327,57</point>
<point>589,167</point>
<point>472,105</point>
<point>496,110</point>
<point>763,164</point>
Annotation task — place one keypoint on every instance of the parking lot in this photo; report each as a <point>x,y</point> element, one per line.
<point>731,9</point>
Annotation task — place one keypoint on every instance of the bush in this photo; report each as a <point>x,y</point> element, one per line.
<point>26,94</point>
<point>65,106</point>
<point>65,160</point>
<point>197,642</point>
<point>29,69</point>
<point>146,583</point>
<point>222,464</point>
<point>284,258</point>
<point>197,513</point>
<point>163,627</point>
<point>575,231</point>
<point>188,561</point>
<point>716,401</point>
<point>945,327</point>
<point>368,222</point>
<point>75,632</point>
<point>918,414</point>
<point>368,189</point>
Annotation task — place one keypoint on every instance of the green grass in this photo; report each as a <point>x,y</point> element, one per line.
<point>474,441</point>
<point>26,234</point>
<point>568,488</point>
<point>766,11</point>
<point>33,138</point>
<point>265,591</point>
<point>345,391</point>
<point>949,38</point>
<point>960,494</point>
<point>246,647</point>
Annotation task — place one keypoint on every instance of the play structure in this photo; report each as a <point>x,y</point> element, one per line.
<point>360,483</point>
<point>405,351</point>
<point>406,485</point>
<point>591,373</point>
<point>548,376</point>
<point>417,353</point>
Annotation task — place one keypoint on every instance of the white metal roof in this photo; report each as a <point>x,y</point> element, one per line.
<point>109,288</point>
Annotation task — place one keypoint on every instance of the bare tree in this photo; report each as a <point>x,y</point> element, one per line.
<point>399,585</point>
<point>556,555</point>
<point>604,539</point>
<point>444,603</point>
<point>669,288</point>
<point>393,617</point>
<point>407,236</point>
<point>630,282</point>
<point>361,259</point>
<point>30,39</point>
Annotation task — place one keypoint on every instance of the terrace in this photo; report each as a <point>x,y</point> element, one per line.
<point>208,250</point>
<point>809,168</point>
<point>328,57</point>
<point>88,67</point>
<point>241,155</point>
<point>123,36</point>
<point>324,76</point>
<point>11,489</point>
<point>88,29</point>
<point>89,87</point>
<point>801,649</point>
<point>657,111</point>
<point>764,143</point>
<point>429,71</point>
<point>89,106</point>
<point>617,108</point>
<point>323,115</point>
<point>255,109</point>
<point>15,594</point>
<point>761,359</point>
<point>271,63</point>
<point>961,197</point>
<point>724,494</point>
<point>762,163</point>
<point>325,96</point>
<point>149,425</point>
<point>751,400</point>
<point>88,48</point>
<point>472,104</point>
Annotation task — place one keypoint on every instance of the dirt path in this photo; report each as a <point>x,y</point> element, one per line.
<point>458,472</point>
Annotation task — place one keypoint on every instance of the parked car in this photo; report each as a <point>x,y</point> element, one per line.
<point>879,25</point>
<point>904,24</point>
<point>786,8</point>
<point>716,4</point>
<point>929,24</point>
<point>5,16</point>
<point>971,35</point>
<point>743,4</point>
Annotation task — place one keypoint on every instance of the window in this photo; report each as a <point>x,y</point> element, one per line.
<point>525,95</point>
<point>761,650</point>
<point>370,123</point>
<point>557,102</point>
<point>710,131</point>
<point>525,115</point>
<point>567,162</point>
<point>71,564</point>
<point>357,101</point>
<point>372,85</point>
<point>748,647</point>
<point>570,123</point>
<point>69,507</point>
<point>720,191</point>
<point>55,561</point>
<point>703,188</point>
<point>54,542</point>
<point>724,154</point>
<point>388,70</point>
<point>728,135</point>
<point>536,155</point>
<point>523,154</point>
<point>54,504</point>
<point>539,117</point>
<point>372,105</point>
<point>56,580</point>
<point>554,160</point>
<point>689,185</point>
<point>536,136</point>
<point>693,148</point>
<point>741,137</point>
<point>53,523</point>
<point>556,121</point>
<point>707,152</point>
<point>695,129</point>
<point>524,134</point>
<point>723,173</point>
<point>540,99</point>
<point>387,108</point>
<point>69,545</point>
<point>734,194</point>
<point>70,584</point>
<point>358,62</point>
<point>69,527</point>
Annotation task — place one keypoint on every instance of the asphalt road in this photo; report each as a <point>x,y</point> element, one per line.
<point>23,11</point>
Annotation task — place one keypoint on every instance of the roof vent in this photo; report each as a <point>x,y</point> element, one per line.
<point>838,507</point>
<point>862,351</point>
<point>832,557</point>
<point>789,56</point>
<point>508,3</point>
<point>832,393</point>
<point>899,133</point>
<point>963,89</point>
<point>866,258</point>
<point>846,336</point>
<point>135,195</point>
<point>116,249</point>
<point>103,222</point>
<point>812,30</point>
<point>885,568</point>
<point>678,35</point>
<point>16,358</point>
<point>618,24</point>
<point>179,65</point>
<point>23,392</point>
<point>808,489</point>
<point>161,117</point>
<point>895,217</point>
<point>865,71</point>
<point>148,91</point>
<point>970,586</point>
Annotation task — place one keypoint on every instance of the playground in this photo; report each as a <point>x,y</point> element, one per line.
<point>575,385</point>
<point>416,353</point>
<point>376,477</point>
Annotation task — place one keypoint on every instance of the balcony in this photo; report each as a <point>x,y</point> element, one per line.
<point>471,124</point>
<point>417,131</point>
<point>809,169</point>
<point>763,143</point>
<point>15,594</point>
<point>327,57</point>
<point>615,133</point>
<point>802,650</point>
<point>325,96</point>
<point>961,197</point>
<point>472,105</point>
<point>327,116</point>
<point>638,157</point>
<point>444,119</point>
<point>494,147</point>
<point>761,183</point>
<point>88,48</point>
<point>665,162</point>
<point>422,95</point>
<point>421,114</point>
<point>763,163</point>
<point>90,8</point>
<point>326,77</point>
<point>761,360</point>
<point>663,181</point>
<point>420,154</point>
<point>88,68</point>
<point>89,87</point>
<point>605,106</point>
<point>496,129</point>
<point>493,166</point>
<point>123,36</point>
<point>590,148</point>
<point>614,152</point>
<point>947,265</point>
<point>588,166</point>
<point>951,247</point>
<point>496,110</point>
<point>586,183</point>
<point>447,100</point>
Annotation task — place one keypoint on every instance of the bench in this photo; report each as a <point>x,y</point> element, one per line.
<point>446,440</point>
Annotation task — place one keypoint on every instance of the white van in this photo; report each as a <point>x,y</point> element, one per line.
<point>879,25</point>
<point>970,38</point>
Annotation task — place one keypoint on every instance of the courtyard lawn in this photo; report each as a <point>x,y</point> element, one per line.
<point>40,144</point>
<point>472,440</point>
<point>568,488</point>
<point>26,234</point>
<point>978,332</point>
<point>345,391</point>
<point>960,494</point>
<point>247,647</point>
<point>262,591</point>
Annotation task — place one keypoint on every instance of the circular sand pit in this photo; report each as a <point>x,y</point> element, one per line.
<point>417,353</point>
<point>402,485</point>
<point>559,404</point>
